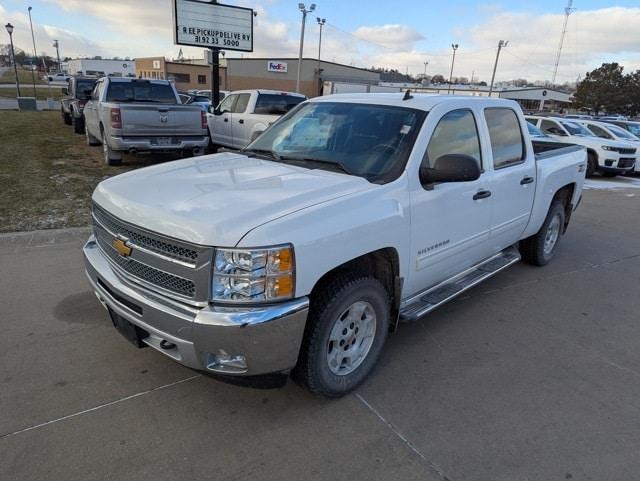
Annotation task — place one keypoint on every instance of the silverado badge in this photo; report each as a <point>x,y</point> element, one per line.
<point>121,246</point>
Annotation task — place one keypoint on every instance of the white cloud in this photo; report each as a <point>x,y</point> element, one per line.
<point>396,36</point>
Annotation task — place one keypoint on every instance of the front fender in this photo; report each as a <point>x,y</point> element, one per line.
<point>332,233</point>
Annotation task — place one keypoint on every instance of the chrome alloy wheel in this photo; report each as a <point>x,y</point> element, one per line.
<point>552,235</point>
<point>351,338</point>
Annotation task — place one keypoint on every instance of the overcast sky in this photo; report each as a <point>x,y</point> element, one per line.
<point>398,34</point>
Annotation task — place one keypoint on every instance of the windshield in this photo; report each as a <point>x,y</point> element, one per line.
<point>141,91</point>
<point>634,128</point>
<point>620,132</point>
<point>370,141</point>
<point>535,131</point>
<point>84,88</point>
<point>576,129</point>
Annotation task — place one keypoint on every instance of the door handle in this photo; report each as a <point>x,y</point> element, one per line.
<point>527,180</point>
<point>226,119</point>
<point>241,121</point>
<point>482,194</point>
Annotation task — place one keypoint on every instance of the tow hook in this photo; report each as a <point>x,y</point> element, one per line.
<point>166,345</point>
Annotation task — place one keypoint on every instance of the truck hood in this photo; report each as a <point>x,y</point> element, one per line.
<point>216,199</point>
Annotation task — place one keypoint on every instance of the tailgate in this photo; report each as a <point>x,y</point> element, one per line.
<point>160,120</point>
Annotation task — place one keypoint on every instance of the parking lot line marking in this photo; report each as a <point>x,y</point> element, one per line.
<point>96,408</point>
<point>403,438</point>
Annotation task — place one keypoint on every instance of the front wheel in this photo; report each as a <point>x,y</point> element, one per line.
<point>592,164</point>
<point>540,248</point>
<point>347,327</point>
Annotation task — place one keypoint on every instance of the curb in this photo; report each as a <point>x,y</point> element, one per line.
<point>41,238</point>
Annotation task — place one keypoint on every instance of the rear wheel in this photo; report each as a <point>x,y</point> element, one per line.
<point>592,164</point>
<point>540,248</point>
<point>346,331</point>
<point>111,157</point>
<point>78,124</point>
<point>66,118</point>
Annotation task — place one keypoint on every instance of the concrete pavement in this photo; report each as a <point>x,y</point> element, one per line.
<point>531,376</point>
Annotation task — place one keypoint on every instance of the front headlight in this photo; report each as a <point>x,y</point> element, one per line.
<point>606,147</point>
<point>253,275</point>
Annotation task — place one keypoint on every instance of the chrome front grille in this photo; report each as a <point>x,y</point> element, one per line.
<point>166,248</point>
<point>156,277</point>
<point>175,268</point>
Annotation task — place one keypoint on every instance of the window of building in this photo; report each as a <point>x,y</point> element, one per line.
<point>180,77</point>
<point>507,143</point>
<point>456,133</point>
<point>202,79</point>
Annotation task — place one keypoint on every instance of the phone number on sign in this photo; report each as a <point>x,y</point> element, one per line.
<point>216,41</point>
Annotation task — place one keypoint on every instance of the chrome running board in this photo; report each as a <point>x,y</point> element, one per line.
<point>430,299</point>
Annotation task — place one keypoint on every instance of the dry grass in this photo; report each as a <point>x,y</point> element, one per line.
<point>47,173</point>
<point>9,77</point>
<point>27,91</point>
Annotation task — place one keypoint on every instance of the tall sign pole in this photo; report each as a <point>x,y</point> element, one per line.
<point>567,11</point>
<point>501,45</point>
<point>215,74</point>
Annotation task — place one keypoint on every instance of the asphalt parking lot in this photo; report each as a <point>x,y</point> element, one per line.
<point>533,375</point>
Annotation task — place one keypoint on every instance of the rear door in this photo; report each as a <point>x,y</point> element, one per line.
<point>514,177</point>
<point>450,222</point>
<point>91,110</point>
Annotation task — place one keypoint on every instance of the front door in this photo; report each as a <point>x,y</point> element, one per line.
<point>220,124</point>
<point>514,177</point>
<point>450,222</point>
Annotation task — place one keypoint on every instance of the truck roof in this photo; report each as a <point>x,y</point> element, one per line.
<point>418,101</point>
<point>269,92</point>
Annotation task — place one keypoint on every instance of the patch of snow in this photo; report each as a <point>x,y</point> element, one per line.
<point>612,183</point>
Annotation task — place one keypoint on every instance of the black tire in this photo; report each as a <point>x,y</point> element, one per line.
<point>90,139</point>
<point>66,118</point>
<point>111,157</point>
<point>592,164</point>
<point>332,302</point>
<point>534,249</point>
<point>78,124</point>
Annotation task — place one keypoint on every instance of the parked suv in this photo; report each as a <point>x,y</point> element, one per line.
<point>606,156</point>
<point>76,95</point>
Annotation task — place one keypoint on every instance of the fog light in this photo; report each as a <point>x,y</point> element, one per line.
<point>608,162</point>
<point>226,363</point>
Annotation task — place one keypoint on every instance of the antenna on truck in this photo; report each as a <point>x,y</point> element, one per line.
<point>407,95</point>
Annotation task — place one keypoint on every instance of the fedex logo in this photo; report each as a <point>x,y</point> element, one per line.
<point>277,67</point>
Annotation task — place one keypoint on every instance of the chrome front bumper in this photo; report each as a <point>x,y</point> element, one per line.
<point>211,338</point>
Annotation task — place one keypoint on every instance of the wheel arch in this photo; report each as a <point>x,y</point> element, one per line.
<point>565,195</point>
<point>382,264</point>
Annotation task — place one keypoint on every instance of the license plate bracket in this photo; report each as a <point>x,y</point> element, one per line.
<point>129,331</point>
<point>163,141</point>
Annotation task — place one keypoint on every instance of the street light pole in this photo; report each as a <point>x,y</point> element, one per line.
<point>303,9</point>
<point>9,28</point>
<point>454,46</point>
<point>35,53</point>
<point>321,22</point>
<point>501,45</point>
<point>56,44</point>
<point>425,68</point>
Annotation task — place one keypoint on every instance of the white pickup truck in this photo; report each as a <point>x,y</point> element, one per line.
<point>302,252</point>
<point>244,114</point>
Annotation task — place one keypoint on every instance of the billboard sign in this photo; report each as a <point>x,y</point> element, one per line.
<point>275,66</point>
<point>199,23</point>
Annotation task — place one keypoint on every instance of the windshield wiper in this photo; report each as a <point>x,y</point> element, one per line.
<point>335,164</point>
<point>264,152</point>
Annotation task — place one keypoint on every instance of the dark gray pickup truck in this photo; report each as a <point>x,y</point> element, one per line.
<point>75,97</point>
<point>128,115</point>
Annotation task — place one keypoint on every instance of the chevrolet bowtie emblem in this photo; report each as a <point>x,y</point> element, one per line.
<point>121,246</point>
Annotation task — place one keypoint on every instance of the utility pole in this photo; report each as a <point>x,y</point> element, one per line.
<point>567,11</point>
<point>454,46</point>
<point>321,22</point>
<point>501,45</point>
<point>9,28</point>
<point>35,53</point>
<point>425,67</point>
<point>56,44</point>
<point>303,9</point>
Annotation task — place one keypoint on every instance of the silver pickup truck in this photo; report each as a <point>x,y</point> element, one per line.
<point>137,115</point>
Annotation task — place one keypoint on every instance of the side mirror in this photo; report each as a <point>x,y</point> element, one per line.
<point>65,91</point>
<point>451,168</point>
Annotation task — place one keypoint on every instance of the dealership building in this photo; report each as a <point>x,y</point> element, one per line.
<point>186,74</point>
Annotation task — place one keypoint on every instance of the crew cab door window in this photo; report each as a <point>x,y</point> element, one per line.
<point>456,133</point>
<point>240,106</point>
<point>227,104</point>
<point>507,142</point>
